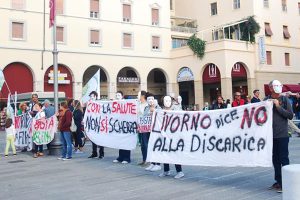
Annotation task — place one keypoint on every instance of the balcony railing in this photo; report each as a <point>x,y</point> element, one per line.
<point>183,29</point>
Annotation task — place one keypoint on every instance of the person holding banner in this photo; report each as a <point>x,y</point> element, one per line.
<point>10,137</point>
<point>34,100</point>
<point>64,124</point>
<point>149,109</point>
<point>142,105</point>
<point>22,109</point>
<point>238,101</point>
<point>93,97</point>
<point>124,155</point>
<point>167,100</point>
<point>282,111</point>
<point>38,150</point>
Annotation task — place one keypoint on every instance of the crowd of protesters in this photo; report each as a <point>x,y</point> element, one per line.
<point>286,106</point>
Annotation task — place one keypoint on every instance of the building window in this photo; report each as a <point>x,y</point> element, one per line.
<point>299,8</point>
<point>60,7</point>
<point>94,8</point>
<point>155,43</point>
<point>178,42</point>
<point>266,3</point>
<point>18,4</point>
<point>287,59</point>
<point>126,13</point>
<point>269,57</point>
<point>214,8</point>
<point>236,4</point>
<point>284,6</point>
<point>268,31</point>
<point>286,34</point>
<point>155,16</point>
<point>95,37</point>
<point>127,40</point>
<point>60,34</point>
<point>17,30</point>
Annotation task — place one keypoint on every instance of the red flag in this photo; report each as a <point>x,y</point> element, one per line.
<point>52,12</point>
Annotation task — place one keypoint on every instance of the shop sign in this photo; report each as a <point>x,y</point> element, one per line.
<point>61,78</point>
<point>128,80</point>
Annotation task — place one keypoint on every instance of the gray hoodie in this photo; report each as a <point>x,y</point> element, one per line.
<point>281,116</point>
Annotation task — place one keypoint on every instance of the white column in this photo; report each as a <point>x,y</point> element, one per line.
<point>112,89</point>
<point>226,88</point>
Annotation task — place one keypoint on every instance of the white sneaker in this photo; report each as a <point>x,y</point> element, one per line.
<point>168,173</point>
<point>155,168</point>
<point>60,158</point>
<point>115,161</point>
<point>78,151</point>
<point>124,162</point>
<point>149,167</point>
<point>179,175</point>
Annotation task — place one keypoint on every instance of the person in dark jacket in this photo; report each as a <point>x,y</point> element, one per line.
<point>219,104</point>
<point>282,111</point>
<point>296,107</point>
<point>255,97</point>
<point>78,116</point>
<point>65,120</point>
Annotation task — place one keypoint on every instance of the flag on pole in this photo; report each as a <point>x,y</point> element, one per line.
<point>92,85</point>
<point>2,80</point>
<point>52,6</point>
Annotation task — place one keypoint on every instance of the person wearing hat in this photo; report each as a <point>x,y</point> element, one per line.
<point>255,97</point>
<point>238,101</point>
<point>282,111</point>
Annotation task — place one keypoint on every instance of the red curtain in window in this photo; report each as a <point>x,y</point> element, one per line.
<point>17,30</point>
<point>95,36</point>
<point>268,31</point>
<point>286,33</point>
<point>127,11</point>
<point>60,34</point>
<point>59,7</point>
<point>155,15</point>
<point>127,40</point>
<point>94,6</point>
<point>18,4</point>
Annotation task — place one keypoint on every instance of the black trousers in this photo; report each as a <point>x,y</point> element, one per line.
<point>167,168</point>
<point>280,156</point>
<point>101,150</point>
<point>144,144</point>
<point>124,155</point>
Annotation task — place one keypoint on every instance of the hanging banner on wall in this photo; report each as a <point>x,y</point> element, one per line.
<point>23,131</point>
<point>262,50</point>
<point>112,123</point>
<point>240,136</point>
<point>43,130</point>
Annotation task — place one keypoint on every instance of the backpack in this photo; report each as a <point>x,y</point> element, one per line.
<point>73,126</point>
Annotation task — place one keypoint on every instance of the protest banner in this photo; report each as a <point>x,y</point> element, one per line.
<point>144,123</point>
<point>23,131</point>
<point>112,123</point>
<point>43,130</point>
<point>240,136</point>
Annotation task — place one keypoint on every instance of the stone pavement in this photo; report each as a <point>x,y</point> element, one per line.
<point>23,177</point>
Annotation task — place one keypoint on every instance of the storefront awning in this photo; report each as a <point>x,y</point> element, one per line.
<point>294,88</point>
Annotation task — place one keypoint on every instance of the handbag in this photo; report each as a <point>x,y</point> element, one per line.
<point>73,126</point>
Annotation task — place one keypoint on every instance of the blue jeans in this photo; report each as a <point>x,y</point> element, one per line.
<point>144,144</point>
<point>66,140</point>
<point>297,114</point>
<point>280,156</point>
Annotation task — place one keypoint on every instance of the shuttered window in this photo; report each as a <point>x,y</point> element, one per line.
<point>155,43</point>
<point>286,34</point>
<point>127,40</point>
<point>59,7</point>
<point>95,37</point>
<point>18,4</point>
<point>287,59</point>
<point>17,31</point>
<point>268,31</point>
<point>94,8</point>
<point>269,57</point>
<point>126,13</point>
<point>60,34</point>
<point>155,16</point>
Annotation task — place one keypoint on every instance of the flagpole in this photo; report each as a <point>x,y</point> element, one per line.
<point>56,143</point>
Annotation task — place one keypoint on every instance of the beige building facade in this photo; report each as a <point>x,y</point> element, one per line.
<point>141,45</point>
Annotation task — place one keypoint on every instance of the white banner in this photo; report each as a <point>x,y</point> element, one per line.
<point>2,80</point>
<point>112,123</point>
<point>240,136</point>
<point>43,130</point>
<point>23,131</point>
<point>144,123</point>
<point>92,85</point>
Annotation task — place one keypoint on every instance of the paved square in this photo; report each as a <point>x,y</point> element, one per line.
<point>23,177</point>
